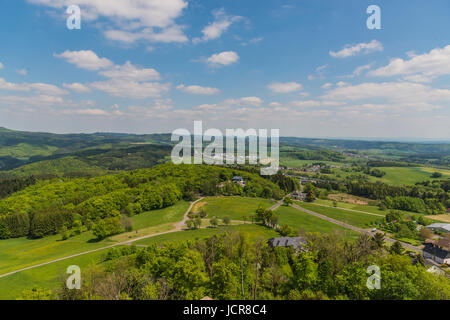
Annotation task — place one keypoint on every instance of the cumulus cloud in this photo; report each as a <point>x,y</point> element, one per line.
<point>77,87</point>
<point>392,91</point>
<point>223,59</point>
<point>85,59</point>
<point>215,29</point>
<point>153,20</point>
<point>42,88</point>
<point>284,87</point>
<point>131,72</point>
<point>195,89</point>
<point>419,68</point>
<point>352,50</point>
<point>131,89</point>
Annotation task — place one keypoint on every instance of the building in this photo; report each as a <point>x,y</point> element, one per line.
<point>441,227</point>
<point>239,180</point>
<point>298,196</point>
<point>436,253</point>
<point>298,243</point>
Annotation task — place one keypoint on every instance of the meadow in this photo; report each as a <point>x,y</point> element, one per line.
<point>357,219</point>
<point>254,231</point>
<point>22,252</point>
<point>233,207</point>
<point>308,223</point>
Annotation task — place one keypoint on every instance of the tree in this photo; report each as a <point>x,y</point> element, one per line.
<point>287,201</point>
<point>245,218</point>
<point>378,240</point>
<point>436,175</point>
<point>197,222</point>
<point>106,227</point>
<point>214,221</point>
<point>64,233</point>
<point>226,220</point>
<point>335,204</point>
<point>397,248</point>
<point>310,196</point>
<point>126,223</point>
<point>426,233</point>
<point>189,224</point>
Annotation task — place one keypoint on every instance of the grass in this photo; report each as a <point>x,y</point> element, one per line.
<point>153,218</point>
<point>352,206</point>
<point>296,163</point>
<point>48,276</point>
<point>234,207</point>
<point>22,252</point>
<point>253,230</point>
<point>306,222</point>
<point>356,219</point>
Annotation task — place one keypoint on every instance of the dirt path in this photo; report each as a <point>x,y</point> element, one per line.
<point>178,227</point>
<point>348,226</point>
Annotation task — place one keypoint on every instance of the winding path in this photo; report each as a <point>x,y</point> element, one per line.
<point>178,227</point>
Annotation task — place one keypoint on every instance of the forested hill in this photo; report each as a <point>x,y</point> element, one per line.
<point>100,203</point>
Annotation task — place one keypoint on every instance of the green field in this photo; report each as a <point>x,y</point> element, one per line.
<point>253,230</point>
<point>234,207</point>
<point>408,175</point>
<point>162,216</point>
<point>22,252</point>
<point>48,276</point>
<point>306,222</point>
<point>296,163</point>
<point>356,219</point>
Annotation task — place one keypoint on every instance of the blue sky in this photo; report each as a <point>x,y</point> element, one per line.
<point>310,68</point>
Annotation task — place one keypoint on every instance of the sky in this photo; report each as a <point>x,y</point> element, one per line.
<point>310,68</point>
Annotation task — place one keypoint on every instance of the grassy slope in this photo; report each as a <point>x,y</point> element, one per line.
<point>253,230</point>
<point>234,207</point>
<point>306,222</point>
<point>356,219</point>
<point>22,252</point>
<point>48,276</point>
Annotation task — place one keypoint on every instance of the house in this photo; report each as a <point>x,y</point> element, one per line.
<point>238,179</point>
<point>436,253</point>
<point>298,196</point>
<point>441,227</point>
<point>298,243</point>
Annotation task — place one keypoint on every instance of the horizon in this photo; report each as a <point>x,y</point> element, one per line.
<point>366,139</point>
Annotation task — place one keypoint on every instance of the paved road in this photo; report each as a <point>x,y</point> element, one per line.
<point>178,227</point>
<point>348,226</point>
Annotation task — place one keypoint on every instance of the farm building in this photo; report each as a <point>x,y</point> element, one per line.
<point>436,253</point>
<point>299,196</point>
<point>298,243</point>
<point>441,227</point>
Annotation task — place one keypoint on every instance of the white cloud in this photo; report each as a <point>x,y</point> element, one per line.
<point>140,17</point>
<point>195,89</point>
<point>327,85</point>
<point>42,88</point>
<point>221,23</point>
<point>392,91</point>
<point>1,65</point>
<point>167,35</point>
<point>36,101</point>
<point>130,72</point>
<point>358,71</point>
<point>243,102</point>
<point>77,87</point>
<point>419,68</point>
<point>131,89</point>
<point>223,59</point>
<point>352,50</point>
<point>85,59</point>
<point>316,103</point>
<point>284,87</point>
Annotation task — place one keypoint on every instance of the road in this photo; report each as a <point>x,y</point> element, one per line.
<point>348,226</point>
<point>178,227</point>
